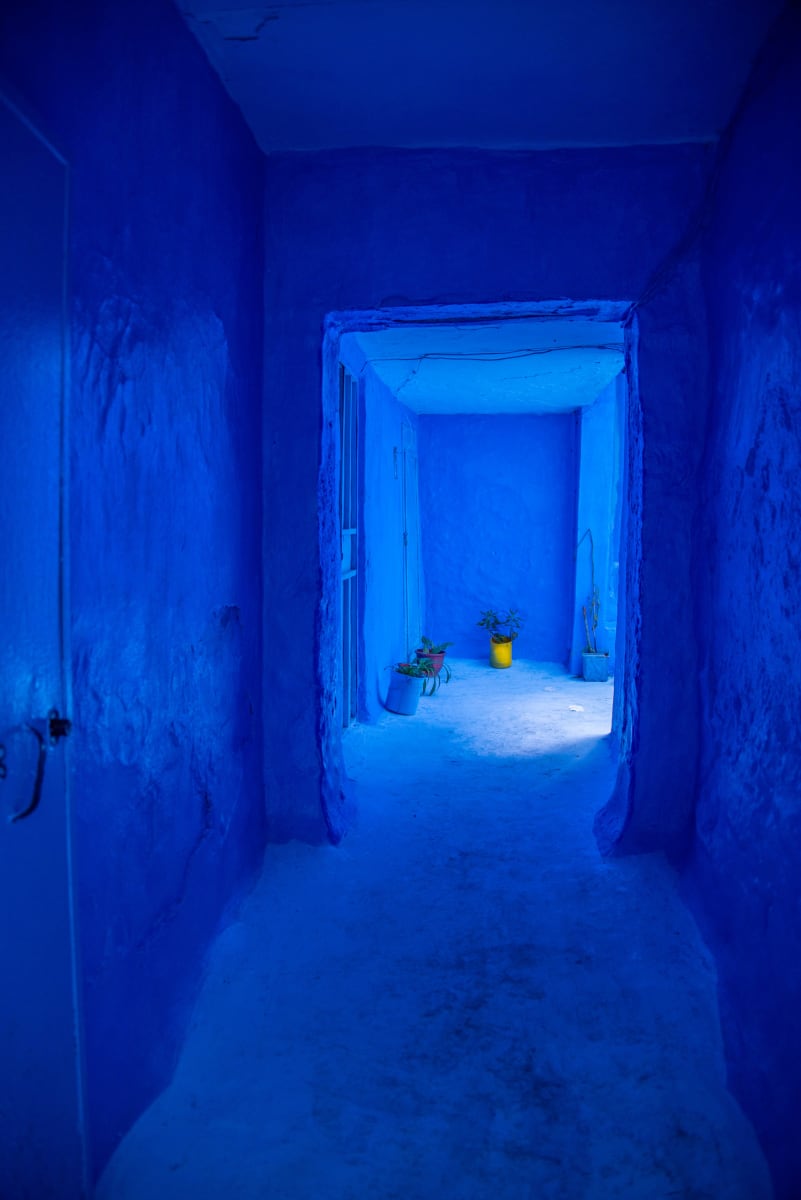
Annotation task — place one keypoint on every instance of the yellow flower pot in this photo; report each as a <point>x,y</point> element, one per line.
<point>500,653</point>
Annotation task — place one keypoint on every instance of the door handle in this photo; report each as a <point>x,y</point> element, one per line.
<point>41,763</point>
<point>57,727</point>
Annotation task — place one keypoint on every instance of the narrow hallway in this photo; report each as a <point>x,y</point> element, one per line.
<point>463,1000</point>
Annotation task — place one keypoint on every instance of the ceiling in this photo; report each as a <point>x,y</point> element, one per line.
<point>316,74</point>
<point>325,74</point>
<point>535,365</point>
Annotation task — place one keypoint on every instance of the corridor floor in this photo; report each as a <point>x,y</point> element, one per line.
<point>463,1001</point>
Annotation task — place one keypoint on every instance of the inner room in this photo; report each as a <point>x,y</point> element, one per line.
<point>480,470</point>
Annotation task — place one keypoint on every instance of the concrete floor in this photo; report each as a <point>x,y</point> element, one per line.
<point>463,1000</point>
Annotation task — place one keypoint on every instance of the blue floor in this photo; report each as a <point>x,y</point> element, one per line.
<point>463,1000</point>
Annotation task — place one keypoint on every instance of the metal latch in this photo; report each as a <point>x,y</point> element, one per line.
<point>58,726</point>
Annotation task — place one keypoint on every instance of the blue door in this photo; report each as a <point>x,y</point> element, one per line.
<point>42,1132</point>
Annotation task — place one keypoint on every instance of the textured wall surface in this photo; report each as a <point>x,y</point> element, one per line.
<point>166,261</point>
<point>497,502</point>
<point>599,507</point>
<point>373,228</point>
<point>655,793</point>
<point>383,624</point>
<point>746,864</point>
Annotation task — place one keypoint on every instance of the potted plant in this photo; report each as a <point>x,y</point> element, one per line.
<point>410,681</point>
<point>436,652</point>
<point>594,662</point>
<point>436,673</point>
<point>503,628</point>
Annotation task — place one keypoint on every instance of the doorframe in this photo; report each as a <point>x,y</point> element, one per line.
<point>350,509</point>
<point>408,447</point>
<point>329,617</point>
<point>17,105</point>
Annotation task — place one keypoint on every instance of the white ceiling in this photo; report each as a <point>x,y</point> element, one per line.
<point>535,365</point>
<point>315,74</point>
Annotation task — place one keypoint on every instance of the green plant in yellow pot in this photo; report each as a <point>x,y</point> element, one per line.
<point>503,628</point>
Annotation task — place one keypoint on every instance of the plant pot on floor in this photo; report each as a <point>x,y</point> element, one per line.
<point>500,653</point>
<point>595,667</point>
<point>404,693</point>
<point>436,659</point>
<point>434,652</point>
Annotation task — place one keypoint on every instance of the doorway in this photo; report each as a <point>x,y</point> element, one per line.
<point>538,365</point>
<point>43,1131</point>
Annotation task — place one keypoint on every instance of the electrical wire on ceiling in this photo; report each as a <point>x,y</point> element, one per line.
<point>491,356</point>
<point>482,356</point>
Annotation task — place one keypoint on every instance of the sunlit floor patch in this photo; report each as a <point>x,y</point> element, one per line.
<point>463,1000</point>
<point>527,709</point>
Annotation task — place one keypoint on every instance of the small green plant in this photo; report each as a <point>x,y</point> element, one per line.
<point>418,669</point>
<point>591,611</point>
<point>434,647</point>
<point>423,668</point>
<point>440,671</point>
<point>437,678</point>
<point>495,622</point>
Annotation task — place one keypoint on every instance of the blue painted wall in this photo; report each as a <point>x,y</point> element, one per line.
<point>383,620</point>
<point>497,503</point>
<point>656,718</point>
<point>599,508</point>
<point>377,228</point>
<point>746,858</point>
<point>166,304</point>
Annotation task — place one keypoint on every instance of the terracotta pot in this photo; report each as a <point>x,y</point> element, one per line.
<point>436,659</point>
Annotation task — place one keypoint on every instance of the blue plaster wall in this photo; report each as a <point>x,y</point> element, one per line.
<point>599,507</point>
<point>383,622</point>
<point>656,721</point>
<point>366,229</point>
<point>746,858</point>
<point>497,505</point>
<point>166,304</point>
